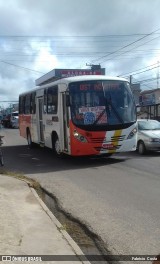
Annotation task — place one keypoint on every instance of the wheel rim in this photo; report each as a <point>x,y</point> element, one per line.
<point>57,147</point>
<point>29,139</point>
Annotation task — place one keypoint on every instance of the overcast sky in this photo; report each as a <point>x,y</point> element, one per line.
<point>38,36</point>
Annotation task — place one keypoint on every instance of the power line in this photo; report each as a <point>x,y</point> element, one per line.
<point>131,49</point>
<point>137,70</point>
<point>20,67</point>
<point>72,55</point>
<point>138,82</point>
<point>126,45</point>
<point>148,80</point>
<point>145,70</point>
<point>77,54</point>
<point>72,51</point>
<point>74,36</point>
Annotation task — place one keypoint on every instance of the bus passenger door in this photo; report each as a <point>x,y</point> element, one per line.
<point>65,124</point>
<point>40,120</point>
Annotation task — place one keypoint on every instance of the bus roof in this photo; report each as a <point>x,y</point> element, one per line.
<point>82,78</point>
<point>76,79</point>
<point>91,77</point>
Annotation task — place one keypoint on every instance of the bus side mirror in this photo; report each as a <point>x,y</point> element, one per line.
<point>68,103</point>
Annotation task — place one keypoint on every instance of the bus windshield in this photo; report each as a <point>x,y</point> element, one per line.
<point>106,102</point>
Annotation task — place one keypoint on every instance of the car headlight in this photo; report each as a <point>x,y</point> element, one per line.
<point>79,137</point>
<point>154,140</point>
<point>132,133</point>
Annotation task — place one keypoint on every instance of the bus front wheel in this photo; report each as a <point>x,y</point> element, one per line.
<point>56,146</point>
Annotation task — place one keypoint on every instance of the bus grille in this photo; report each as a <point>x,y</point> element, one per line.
<point>102,140</point>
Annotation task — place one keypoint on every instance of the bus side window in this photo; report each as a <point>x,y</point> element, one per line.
<point>33,103</point>
<point>21,104</point>
<point>52,100</point>
<point>45,102</point>
<point>27,104</point>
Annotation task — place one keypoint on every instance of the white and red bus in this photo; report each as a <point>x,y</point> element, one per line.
<point>81,115</point>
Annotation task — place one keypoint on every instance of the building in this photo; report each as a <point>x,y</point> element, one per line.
<point>56,74</point>
<point>136,90</point>
<point>150,97</point>
<point>149,102</point>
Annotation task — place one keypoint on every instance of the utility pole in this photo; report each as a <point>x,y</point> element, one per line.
<point>96,67</point>
<point>130,79</point>
<point>158,75</point>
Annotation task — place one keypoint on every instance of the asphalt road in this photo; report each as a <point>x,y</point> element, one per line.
<point>118,198</point>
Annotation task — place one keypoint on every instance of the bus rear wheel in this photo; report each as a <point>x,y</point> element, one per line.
<point>29,139</point>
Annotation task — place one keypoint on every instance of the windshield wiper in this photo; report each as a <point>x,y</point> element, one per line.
<point>109,103</point>
<point>99,117</point>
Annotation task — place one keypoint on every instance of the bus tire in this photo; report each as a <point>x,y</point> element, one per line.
<point>56,146</point>
<point>29,139</point>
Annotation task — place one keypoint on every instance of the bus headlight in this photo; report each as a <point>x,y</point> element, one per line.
<point>132,133</point>
<point>79,137</point>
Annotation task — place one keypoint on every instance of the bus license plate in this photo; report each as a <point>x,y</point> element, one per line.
<point>108,146</point>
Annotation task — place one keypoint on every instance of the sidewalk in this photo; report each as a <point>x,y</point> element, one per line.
<point>27,227</point>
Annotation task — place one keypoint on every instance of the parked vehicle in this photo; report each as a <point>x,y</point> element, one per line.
<point>14,121</point>
<point>1,118</point>
<point>6,120</point>
<point>11,120</point>
<point>148,135</point>
<point>1,154</point>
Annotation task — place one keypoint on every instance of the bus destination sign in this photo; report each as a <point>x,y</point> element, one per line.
<point>71,73</point>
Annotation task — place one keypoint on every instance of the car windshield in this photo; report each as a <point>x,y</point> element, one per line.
<point>148,125</point>
<point>14,114</point>
<point>101,103</point>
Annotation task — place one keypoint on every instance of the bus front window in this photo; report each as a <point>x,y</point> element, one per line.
<point>101,103</point>
<point>120,100</point>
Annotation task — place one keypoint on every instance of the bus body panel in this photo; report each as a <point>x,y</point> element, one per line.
<point>101,142</point>
<point>25,122</point>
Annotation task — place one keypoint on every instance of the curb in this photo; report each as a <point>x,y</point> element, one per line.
<point>67,237</point>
